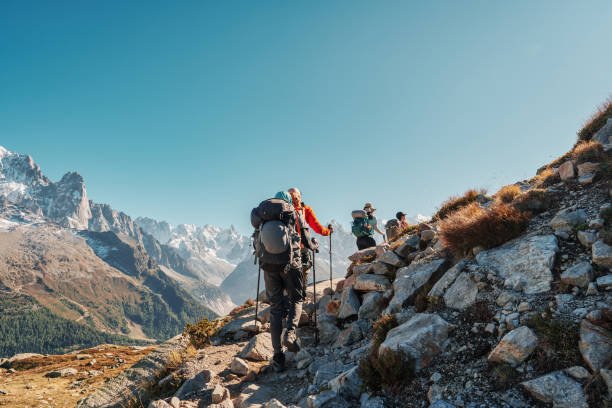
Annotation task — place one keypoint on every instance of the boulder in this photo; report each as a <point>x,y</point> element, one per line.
<point>595,345</point>
<point>578,372</point>
<point>602,254</point>
<point>566,170</point>
<point>586,178</point>
<point>63,372</point>
<point>349,304</point>
<point>567,219</point>
<point>328,331</point>
<point>514,347</point>
<point>410,279</point>
<point>362,268</point>
<point>587,238</point>
<point>348,384</point>
<point>239,367</point>
<point>381,268</point>
<point>352,334</point>
<point>372,306</point>
<point>604,134</point>
<point>274,403</point>
<point>360,256</point>
<point>259,348</point>
<point>369,283</point>
<point>410,245</point>
<point>524,263</point>
<point>223,404</point>
<point>428,235</point>
<point>391,258</point>
<point>319,400</point>
<point>579,274</point>
<point>219,393</point>
<point>422,338</point>
<point>604,282</point>
<point>558,389</point>
<point>587,168</point>
<point>462,292</point>
<point>447,279</point>
<point>194,384</point>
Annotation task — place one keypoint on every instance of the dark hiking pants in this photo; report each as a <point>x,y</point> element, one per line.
<point>365,242</point>
<point>281,278</point>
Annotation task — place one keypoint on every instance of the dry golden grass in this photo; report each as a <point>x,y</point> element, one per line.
<point>26,386</point>
<point>545,178</point>
<point>596,121</point>
<point>535,200</point>
<point>473,226</point>
<point>507,194</point>
<point>455,203</point>
<point>588,151</point>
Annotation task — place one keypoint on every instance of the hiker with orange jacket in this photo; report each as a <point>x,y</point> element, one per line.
<point>306,217</point>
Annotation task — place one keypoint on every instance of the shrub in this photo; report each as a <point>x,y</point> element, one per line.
<point>507,194</point>
<point>547,177</point>
<point>596,121</point>
<point>588,151</point>
<point>455,203</point>
<point>479,312</point>
<point>535,200</point>
<point>474,226</point>
<point>389,368</point>
<point>596,390</point>
<point>199,334</point>
<point>557,344</point>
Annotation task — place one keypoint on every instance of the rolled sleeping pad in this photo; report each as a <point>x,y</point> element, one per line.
<point>359,214</point>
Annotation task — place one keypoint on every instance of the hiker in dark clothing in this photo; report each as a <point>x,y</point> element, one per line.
<point>282,272</point>
<point>364,226</point>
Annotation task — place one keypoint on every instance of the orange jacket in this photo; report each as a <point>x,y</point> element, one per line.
<point>311,220</point>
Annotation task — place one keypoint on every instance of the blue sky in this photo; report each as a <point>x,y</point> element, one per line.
<point>194,111</point>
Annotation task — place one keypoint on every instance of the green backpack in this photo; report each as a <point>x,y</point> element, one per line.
<point>361,226</point>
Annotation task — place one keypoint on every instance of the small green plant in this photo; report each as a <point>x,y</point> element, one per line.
<point>557,344</point>
<point>503,376</point>
<point>199,334</point>
<point>596,390</point>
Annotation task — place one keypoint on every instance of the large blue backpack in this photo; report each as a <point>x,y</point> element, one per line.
<point>361,226</point>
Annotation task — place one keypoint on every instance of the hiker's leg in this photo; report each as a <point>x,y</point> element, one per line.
<point>295,290</point>
<point>362,243</point>
<point>274,288</point>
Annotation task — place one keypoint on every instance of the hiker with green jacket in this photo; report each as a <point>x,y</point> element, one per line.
<point>364,226</point>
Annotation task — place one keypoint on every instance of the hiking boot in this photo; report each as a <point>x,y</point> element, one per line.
<point>278,362</point>
<point>290,341</point>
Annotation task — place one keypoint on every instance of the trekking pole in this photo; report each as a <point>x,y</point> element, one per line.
<point>257,296</point>
<point>314,296</point>
<point>330,260</point>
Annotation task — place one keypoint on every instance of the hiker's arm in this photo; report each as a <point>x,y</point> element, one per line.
<point>378,229</point>
<point>314,223</point>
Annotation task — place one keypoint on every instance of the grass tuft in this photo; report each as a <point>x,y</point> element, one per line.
<point>588,151</point>
<point>473,226</point>
<point>507,194</point>
<point>596,121</point>
<point>455,203</point>
<point>535,200</point>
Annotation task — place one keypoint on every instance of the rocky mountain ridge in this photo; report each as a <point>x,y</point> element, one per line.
<point>500,301</point>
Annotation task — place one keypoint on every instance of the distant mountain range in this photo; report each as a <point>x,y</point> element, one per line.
<point>94,266</point>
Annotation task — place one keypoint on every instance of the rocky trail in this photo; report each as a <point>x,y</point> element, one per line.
<point>501,301</point>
